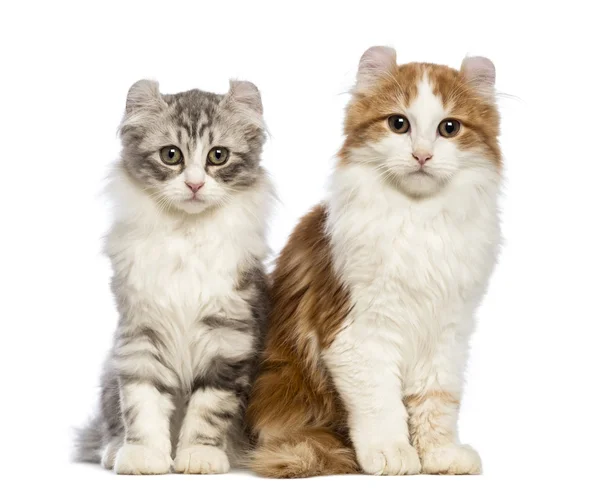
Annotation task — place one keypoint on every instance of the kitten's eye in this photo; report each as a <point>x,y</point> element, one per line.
<point>171,155</point>
<point>449,128</point>
<point>398,123</point>
<point>218,156</point>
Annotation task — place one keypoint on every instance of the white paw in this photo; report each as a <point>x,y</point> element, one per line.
<point>453,459</point>
<point>139,459</point>
<point>201,459</point>
<point>389,460</point>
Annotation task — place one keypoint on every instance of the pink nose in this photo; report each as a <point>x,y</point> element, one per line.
<point>422,157</point>
<point>194,186</point>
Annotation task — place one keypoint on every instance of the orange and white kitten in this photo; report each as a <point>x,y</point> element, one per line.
<point>375,293</point>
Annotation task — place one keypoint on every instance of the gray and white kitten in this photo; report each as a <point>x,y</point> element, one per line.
<point>187,249</point>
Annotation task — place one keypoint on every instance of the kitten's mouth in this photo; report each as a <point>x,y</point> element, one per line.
<point>194,204</point>
<point>421,172</point>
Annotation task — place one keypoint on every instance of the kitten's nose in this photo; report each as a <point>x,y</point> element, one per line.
<point>194,186</point>
<point>422,156</point>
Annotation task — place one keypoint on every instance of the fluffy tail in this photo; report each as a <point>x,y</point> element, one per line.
<point>314,452</point>
<point>89,442</point>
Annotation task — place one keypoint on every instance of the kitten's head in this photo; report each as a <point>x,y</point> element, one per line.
<point>420,125</point>
<point>193,150</point>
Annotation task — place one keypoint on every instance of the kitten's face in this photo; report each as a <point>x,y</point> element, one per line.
<point>193,150</point>
<point>420,125</point>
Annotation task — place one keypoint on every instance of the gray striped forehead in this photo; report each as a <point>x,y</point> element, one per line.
<point>193,112</point>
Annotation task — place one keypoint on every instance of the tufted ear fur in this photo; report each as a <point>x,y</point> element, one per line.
<point>144,94</point>
<point>374,64</point>
<point>480,73</point>
<point>246,94</point>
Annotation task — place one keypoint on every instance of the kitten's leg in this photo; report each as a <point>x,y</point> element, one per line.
<point>110,452</point>
<point>203,436</point>
<point>146,393</point>
<point>146,414</point>
<point>433,412</point>
<point>365,372</point>
<point>226,352</point>
<point>111,410</point>
<point>219,393</point>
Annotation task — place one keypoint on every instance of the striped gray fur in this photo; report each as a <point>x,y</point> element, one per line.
<point>190,287</point>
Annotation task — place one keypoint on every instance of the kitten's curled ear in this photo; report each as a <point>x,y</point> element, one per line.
<point>143,94</point>
<point>479,72</point>
<point>246,94</point>
<point>375,63</point>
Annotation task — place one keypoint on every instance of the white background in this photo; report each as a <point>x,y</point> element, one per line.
<point>531,403</point>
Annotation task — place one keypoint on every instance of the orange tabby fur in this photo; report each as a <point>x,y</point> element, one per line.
<point>294,405</point>
<point>295,410</point>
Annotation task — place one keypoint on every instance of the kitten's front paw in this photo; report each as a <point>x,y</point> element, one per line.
<point>453,459</point>
<point>389,460</point>
<point>140,459</point>
<point>201,459</point>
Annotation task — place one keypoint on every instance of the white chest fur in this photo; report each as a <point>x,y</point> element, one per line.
<point>414,269</point>
<point>173,270</point>
<point>180,269</point>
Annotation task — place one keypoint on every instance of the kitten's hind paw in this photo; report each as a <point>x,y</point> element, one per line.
<point>453,459</point>
<point>201,459</point>
<point>110,453</point>
<point>140,459</point>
